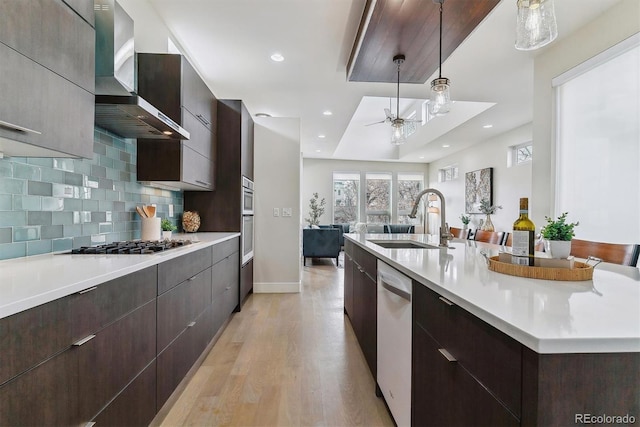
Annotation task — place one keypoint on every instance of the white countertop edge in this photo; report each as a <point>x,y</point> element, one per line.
<point>143,261</point>
<point>537,344</point>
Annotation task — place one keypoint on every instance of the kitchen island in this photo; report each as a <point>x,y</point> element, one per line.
<point>524,351</point>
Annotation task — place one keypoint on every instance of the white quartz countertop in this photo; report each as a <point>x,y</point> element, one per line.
<point>31,281</point>
<point>601,315</point>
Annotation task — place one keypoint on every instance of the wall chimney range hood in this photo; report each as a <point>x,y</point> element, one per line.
<point>118,108</point>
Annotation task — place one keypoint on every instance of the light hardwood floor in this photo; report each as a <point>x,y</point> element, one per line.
<point>285,360</point>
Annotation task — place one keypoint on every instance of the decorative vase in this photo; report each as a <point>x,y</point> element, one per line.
<point>558,248</point>
<point>166,235</point>
<point>487,225</point>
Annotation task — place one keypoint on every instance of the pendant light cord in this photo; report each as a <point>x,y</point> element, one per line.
<point>440,59</point>
<point>398,94</point>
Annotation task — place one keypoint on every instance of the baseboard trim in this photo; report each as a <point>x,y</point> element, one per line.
<point>276,287</point>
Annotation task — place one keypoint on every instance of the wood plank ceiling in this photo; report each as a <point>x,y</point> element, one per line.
<point>411,27</point>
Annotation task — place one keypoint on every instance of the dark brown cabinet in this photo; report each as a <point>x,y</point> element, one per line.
<point>79,352</point>
<point>348,284</point>
<point>172,85</point>
<point>221,210</point>
<point>363,315</point>
<point>476,369</point>
<point>47,56</point>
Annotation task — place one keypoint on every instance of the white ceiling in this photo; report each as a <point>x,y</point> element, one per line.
<point>231,41</point>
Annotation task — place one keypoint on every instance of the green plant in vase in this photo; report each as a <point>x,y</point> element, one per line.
<point>558,234</point>
<point>167,227</point>
<point>316,209</point>
<point>466,219</point>
<point>488,209</point>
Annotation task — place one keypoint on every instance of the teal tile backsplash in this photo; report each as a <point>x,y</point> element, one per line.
<point>51,205</point>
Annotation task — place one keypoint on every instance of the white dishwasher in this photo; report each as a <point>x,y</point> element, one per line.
<point>394,341</point>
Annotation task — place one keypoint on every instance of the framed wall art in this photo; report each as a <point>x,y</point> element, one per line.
<point>478,185</point>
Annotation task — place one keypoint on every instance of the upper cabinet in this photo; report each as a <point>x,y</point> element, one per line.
<point>172,85</point>
<point>47,78</point>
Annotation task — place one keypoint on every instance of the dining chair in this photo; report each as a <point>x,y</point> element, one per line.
<point>615,253</point>
<point>460,233</point>
<point>495,237</point>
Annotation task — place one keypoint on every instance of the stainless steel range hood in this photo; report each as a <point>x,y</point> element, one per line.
<point>118,108</point>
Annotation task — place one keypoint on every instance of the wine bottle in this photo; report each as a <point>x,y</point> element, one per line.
<point>522,247</point>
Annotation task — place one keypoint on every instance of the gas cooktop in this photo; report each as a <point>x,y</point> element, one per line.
<point>131,247</point>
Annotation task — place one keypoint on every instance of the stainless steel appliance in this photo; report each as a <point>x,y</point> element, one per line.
<point>247,220</point>
<point>247,196</point>
<point>130,247</point>
<point>394,342</point>
<point>118,108</point>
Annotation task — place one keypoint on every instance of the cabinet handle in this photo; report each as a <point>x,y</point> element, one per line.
<point>87,290</point>
<point>83,340</point>
<point>202,119</point>
<point>191,279</point>
<point>90,424</point>
<point>446,301</point>
<point>447,355</point>
<point>18,128</point>
<point>191,324</point>
<point>360,269</point>
<point>227,288</point>
<point>208,184</point>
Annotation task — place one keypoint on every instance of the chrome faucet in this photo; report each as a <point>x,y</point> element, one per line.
<point>445,235</point>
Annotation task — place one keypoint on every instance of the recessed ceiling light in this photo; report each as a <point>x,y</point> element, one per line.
<point>487,126</point>
<point>421,157</point>
<point>167,132</point>
<point>263,115</point>
<point>327,113</point>
<point>318,151</point>
<point>277,57</point>
<point>445,146</point>
<point>321,136</point>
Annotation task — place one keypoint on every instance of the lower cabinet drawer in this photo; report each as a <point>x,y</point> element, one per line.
<point>444,393</point>
<point>491,356</point>
<point>178,307</point>
<point>114,357</point>
<point>175,271</point>
<point>224,249</point>
<point>136,405</point>
<point>44,396</point>
<point>175,361</point>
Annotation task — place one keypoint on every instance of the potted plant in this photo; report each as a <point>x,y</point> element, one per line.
<point>167,227</point>
<point>557,235</point>
<point>466,219</point>
<point>488,209</point>
<point>316,209</point>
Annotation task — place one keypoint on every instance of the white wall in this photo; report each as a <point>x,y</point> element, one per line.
<point>509,183</point>
<point>277,185</point>
<point>615,25</point>
<point>317,176</point>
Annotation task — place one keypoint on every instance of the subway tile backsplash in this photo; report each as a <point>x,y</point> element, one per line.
<point>51,205</point>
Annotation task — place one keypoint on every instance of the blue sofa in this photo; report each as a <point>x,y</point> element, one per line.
<point>321,243</point>
<point>344,228</point>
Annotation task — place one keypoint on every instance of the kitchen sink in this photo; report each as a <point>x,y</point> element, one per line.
<point>403,244</point>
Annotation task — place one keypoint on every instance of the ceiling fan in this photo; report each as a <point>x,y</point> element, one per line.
<point>395,120</point>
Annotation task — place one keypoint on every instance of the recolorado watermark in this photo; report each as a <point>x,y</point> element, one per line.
<point>604,419</point>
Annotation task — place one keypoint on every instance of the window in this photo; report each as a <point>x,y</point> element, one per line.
<point>378,198</point>
<point>409,185</point>
<point>410,127</point>
<point>345,197</point>
<point>598,155</point>
<point>522,153</point>
<point>448,173</point>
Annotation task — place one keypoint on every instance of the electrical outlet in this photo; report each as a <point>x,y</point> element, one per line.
<point>276,211</point>
<point>170,211</point>
<point>286,211</point>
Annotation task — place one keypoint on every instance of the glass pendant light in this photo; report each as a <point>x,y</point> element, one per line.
<point>440,99</point>
<point>397,132</point>
<point>535,24</point>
